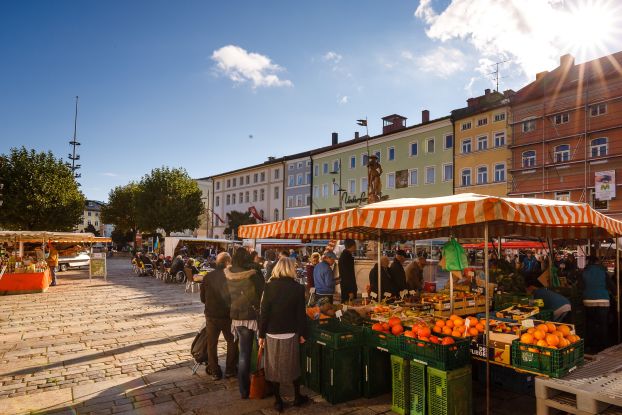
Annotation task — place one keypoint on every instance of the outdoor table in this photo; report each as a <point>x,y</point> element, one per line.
<point>22,283</point>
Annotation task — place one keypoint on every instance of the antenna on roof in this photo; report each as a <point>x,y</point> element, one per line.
<point>496,72</point>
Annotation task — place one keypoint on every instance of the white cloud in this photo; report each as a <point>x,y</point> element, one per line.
<point>333,57</point>
<point>343,100</point>
<point>441,61</point>
<point>532,33</point>
<point>108,174</point>
<point>242,66</point>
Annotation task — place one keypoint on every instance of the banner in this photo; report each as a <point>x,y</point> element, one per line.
<point>256,215</point>
<point>605,185</point>
<point>401,179</point>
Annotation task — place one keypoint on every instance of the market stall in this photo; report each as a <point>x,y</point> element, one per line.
<point>460,216</point>
<point>173,244</point>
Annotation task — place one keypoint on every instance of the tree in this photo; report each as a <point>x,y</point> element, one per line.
<point>121,209</point>
<point>90,228</point>
<point>169,200</point>
<point>120,238</point>
<point>40,192</point>
<point>235,219</point>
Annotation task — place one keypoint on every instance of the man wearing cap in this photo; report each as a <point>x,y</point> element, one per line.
<point>324,277</point>
<point>398,275</point>
<point>346,271</point>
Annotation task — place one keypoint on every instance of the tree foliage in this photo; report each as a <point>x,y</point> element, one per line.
<point>40,192</point>
<point>121,210</point>
<point>121,238</point>
<point>235,219</point>
<point>169,200</point>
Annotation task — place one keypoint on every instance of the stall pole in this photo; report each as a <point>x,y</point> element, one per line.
<point>21,250</point>
<point>487,299</point>
<point>451,289</point>
<point>618,283</point>
<point>379,268</point>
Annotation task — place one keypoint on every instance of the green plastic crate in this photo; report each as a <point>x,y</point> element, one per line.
<point>417,388</point>
<point>382,341</point>
<point>444,357</point>
<point>554,363</point>
<point>400,385</point>
<point>376,372</point>
<point>341,374</point>
<point>311,366</point>
<point>544,314</point>
<point>505,300</point>
<point>337,336</point>
<point>450,392</point>
<point>314,327</point>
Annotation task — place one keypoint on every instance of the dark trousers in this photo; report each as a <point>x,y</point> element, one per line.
<point>246,337</point>
<point>53,273</point>
<point>596,328</point>
<point>215,326</point>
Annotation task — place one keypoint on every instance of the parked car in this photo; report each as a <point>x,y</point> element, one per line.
<point>82,259</point>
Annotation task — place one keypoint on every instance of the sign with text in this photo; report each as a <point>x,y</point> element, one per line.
<point>605,185</point>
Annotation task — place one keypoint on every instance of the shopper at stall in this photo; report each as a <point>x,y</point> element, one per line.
<point>215,296</point>
<point>270,263</point>
<point>313,261</point>
<point>552,300</point>
<point>398,274</point>
<point>414,273</point>
<point>596,301</point>
<point>324,277</point>
<point>530,266</point>
<point>52,261</point>
<point>282,328</point>
<point>245,286</point>
<point>385,278</point>
<point>346,271</point>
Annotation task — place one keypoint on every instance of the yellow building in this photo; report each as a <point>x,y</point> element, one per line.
<point>481,154</point>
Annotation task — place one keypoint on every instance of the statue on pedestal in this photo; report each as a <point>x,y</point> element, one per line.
<point>374,184</point>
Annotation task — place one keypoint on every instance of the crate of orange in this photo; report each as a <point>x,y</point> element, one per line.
<point>385,336</point>
<point>548,348</point>
<point>442,347</point>
<point>335,335</point>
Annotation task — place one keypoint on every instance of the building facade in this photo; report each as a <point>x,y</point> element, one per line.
<point>417,161</point>
<point>256,190</point>
<point>91,216</point>
<point>205,228</point>
<point>567,131</point>
<point>482,156</point>
<point>297,185</point>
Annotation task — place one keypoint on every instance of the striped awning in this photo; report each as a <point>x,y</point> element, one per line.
<point>45,236</point>
<point>461,215</point>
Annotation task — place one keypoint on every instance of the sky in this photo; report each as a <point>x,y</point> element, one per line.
<point>215,86</point>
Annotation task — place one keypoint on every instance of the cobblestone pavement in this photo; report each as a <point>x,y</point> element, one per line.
<point>122,346</point>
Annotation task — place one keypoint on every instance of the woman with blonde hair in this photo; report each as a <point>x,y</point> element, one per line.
<point>282,328</point>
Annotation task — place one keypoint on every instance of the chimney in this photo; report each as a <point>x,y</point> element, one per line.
<point>335,139</point>
<point>425,116</point>
<point>356,135</point>
<point>271,158</point>
<point>566,61</point>
<point>472,102</point>
<point>487,91</point>
<point>541,74</point>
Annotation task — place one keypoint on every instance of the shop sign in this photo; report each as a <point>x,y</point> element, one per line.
<point>605,185</point>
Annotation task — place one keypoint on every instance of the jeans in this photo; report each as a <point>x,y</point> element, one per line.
<point>246,337</point>
<point>214,327</point>
<point>53,273</point>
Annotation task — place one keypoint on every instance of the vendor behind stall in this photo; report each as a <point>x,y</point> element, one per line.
<point>552,300</point>
<point>52,261</point>
<point>385,278</point>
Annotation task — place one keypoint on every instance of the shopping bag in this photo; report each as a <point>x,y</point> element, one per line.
<point>258,380</point>
<point>454,256</point>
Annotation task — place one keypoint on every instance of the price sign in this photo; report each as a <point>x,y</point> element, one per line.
<point>338,314</point>
<point>387,295</point>
<point>467,322</point>
<point>446,306</point>
<point>374,295</point>
<point>472,303</point>
<point>412,292</point>
<point>365,295</point>
<point>528,323</point>
<point>312,290</point>
<point>403,293</point>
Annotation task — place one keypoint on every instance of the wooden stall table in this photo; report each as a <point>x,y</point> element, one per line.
<point>25,283</point>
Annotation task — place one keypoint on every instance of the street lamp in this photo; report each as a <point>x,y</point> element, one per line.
<point>340,189</point>
<point>206,214</point>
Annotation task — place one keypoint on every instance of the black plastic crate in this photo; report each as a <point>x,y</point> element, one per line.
<point>311,366</point>
<point>376,372</point>
<point>341,374</point>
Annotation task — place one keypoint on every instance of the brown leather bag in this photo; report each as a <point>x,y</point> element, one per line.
<point>258,380</point>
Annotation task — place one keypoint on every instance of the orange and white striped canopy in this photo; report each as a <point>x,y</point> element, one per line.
<point>461,215</point>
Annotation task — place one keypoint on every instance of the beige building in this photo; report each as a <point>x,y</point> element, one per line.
<point>92,216</point>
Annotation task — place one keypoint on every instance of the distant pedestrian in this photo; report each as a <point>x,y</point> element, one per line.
<point>596,297</point>
<point>324,277</point>
<point>52,262</point>
<point>346,271</point>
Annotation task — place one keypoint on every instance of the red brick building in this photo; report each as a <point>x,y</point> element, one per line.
<point>566,127</point>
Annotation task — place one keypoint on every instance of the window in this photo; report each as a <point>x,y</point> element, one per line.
<point>291,167</point>
<point>430,175</point>
<point>465,177</point>
<point>599,147</point>
<point>262,177</point>
<point>248,179</point>
<point>364,184</point>
<point>529,158</point>
<point>377,154</point>
<point>499,172</point>
<point>262,195</point>
<point>448,172</point>
<point>316,170</point>
<point>500,117</point>
<point>430,145</point>
<point>364,160</point>
<point>290,180</point>
<point>308,178</point>
<point>563,196</point>
<point>482,122</point>
<point>299,179</point>
<point>308,163</point>
<point>217,201</point>
<point>414,149</point>
<point>449,141</point>
<point>598,109</point>
<point>482,175</point>
<point>352,186</point>
<point>217,185</point>
<point>276,215</point>
<point>228,200</point>
<point>290,201</point>
<point>500,139</point>
<point>261,215</point>
<point>96,223</point>
<point>228,183</point>
<point>562,153</point>
<point>325,190</point>
<point>233,199</point>
<point>561,118</point>
<point>89,213</point>
<point>598,204</point>
<point>255,178</point>
<point>413,177</point>
<point>298,200</point>
<point>241,199</point>
<point>391,181</point>
<point>335,188</point>
<point>89,222</point>
<point>276,192</point>
<point>254,195</point>
<point>96,214</point>
<point>466,146</point>
<point>391,153</point>
<point>466,125</point>
<point>234,181</point>
<point>299,165</point>
<point>307,200</point>
<point>529,125</point>
<point>276,174</point>
<point>325,168</point>
<point>316,191</point>
<point>246,197</point>
<point>352,162</point>
<point>336,166</point>
<point>482,142</point>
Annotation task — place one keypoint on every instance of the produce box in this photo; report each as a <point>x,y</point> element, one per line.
<point>518,312</point>
<point>445,357</point>
<point>505,300</point>
<point>337,336</point>
<point>311,365</point>
<point>376,372</point>
<point>339,368</point>
<point>400,374</point>
<point>499,347</point>
<point>384,342</point>
<point>554,363</point>
<point>450,392</point>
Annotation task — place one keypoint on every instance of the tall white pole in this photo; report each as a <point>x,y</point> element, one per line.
<point>487,337</point>
<point>380,297</point>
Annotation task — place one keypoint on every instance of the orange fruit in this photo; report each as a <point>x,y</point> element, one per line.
<point>539,335</point>
<point>542,343</point>
<point>377,327</point>
<point>460,330</point>
<point>450,324</point>
<point>526,338</point>
<point>543,327</point>
<point>456,333</point>
<point>424,332</point>
<point>483,322</point>
<point>409,333</point>
<point>447,330</point>
<point>552,327</point>
<point>440,323</point>
<point>394,321</point>
<point>437,329</point>
<point>473,331</point>
<point>530,330</point>
<point>552,339</point>
<point>558,334</point>
<point>573,338</point>
<point>447,340</point>
<point>453,317</point>
<point>563,343</point>
<point>398,329</point>
<point>386,327</point>
<point>564,329</point>
<point>480,327</point>
<point>458,322</point>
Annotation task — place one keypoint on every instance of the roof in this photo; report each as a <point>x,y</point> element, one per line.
<point>486,102</point>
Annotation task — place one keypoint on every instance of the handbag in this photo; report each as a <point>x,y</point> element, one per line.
<point>258,388</point>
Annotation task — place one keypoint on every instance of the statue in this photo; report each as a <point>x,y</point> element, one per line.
<point>374,185</point>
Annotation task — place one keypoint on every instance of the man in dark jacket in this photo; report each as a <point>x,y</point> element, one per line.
<point>346,271</point>
<point>385,279</point>
<point>215,296</point>
<point>398,275</point>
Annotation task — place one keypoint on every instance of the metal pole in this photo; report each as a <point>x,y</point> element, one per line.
<point>618,283</point>
<point>379,268</point>
<point>487,336</point>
